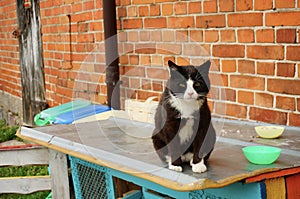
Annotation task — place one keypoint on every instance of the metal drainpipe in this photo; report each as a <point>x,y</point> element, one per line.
<point>111,53</point>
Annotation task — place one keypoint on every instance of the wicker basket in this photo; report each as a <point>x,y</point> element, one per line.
<point>141,110</point>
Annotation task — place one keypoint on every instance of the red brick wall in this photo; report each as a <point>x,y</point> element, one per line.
<point>9,47</point>
<point>72,35</point>
<point>254,46</point>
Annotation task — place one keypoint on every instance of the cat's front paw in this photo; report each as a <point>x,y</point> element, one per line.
<point>199,167</point>
<point>175,168</point>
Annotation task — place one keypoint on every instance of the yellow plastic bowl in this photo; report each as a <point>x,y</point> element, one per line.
<point>269,131</point>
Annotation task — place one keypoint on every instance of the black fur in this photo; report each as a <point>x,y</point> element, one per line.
<point>168,120</point>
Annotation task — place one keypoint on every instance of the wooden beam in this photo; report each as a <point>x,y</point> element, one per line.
<point>25,185</point>
<point>21,157</point>
<point>276,188</point>
<point>274,174</point>
<point>59,174</point>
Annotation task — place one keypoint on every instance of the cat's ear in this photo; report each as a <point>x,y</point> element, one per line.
<point>204,68</point>
<point>172,66</point>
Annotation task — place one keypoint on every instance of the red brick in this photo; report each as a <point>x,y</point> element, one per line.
<point>234,110</point>
<point>155,22</point>
<point>228,66</point>
<point>284,86</point>
<point>211,36</point>
<point>246,97</point>
<point>157,73</point>
<point>269,116</point>
<point>181,22</point>
<point>263,5</point>
<point>294,119</point>
<point>265,36</point>
<point>293,53</point>
<point>283,19</point>
<point>246,66</point>
<point>132,23</point>
<point>226,5</point>
<point>264,100</point>
<point>158,86</point>
<point>210,6</point>
<point>228,51</point>
<point>245,36</point>
<point>145,48</point>
<point>132,71</point>
<point>285,103</point>
<point>144,36</point>
<point>285,69</point>
<point>244,5</point>
<point>196,35</point>
<point>181,36</point>
<point>167,9</point>
<point>298,104</point>
<point>180,8</point>
<point>154,10</point>
<point>194,7</point>
<point>284,3</point>
<point>143,11</point>
<point>175,49</point>
<point>218,79</point>
<point>143,95</point>
<point>245,19</point>
<point>286,36</point>
<point>194,50</point>
<point>141,2</point>
<point>210,21</point>
<point>265,68</point>
<point>247,82</point>
<point>227,35</point>
<point>265,52</point>
<point>228,95</point>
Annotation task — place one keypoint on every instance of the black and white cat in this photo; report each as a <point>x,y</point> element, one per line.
<point>183,130</point>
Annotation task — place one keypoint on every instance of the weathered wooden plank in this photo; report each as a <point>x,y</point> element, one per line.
<point>59,174</point>
<point>25,185</point>
<point>293,186</point>
<point>21,157</point>
<point>275,188</point>
<point>31,61</point>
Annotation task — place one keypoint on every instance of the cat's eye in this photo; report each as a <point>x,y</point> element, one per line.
<point>197,84</point>
<point>181,85</point>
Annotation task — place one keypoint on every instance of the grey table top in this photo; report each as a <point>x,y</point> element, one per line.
<point>126,146</point>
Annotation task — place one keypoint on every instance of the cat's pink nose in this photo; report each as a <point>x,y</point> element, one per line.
<point>190,94</point>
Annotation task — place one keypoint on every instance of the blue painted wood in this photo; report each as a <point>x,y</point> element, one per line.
<point>149,195</point>
<point>134,195</point>
<point>110,189</point>
<point>234,191</point>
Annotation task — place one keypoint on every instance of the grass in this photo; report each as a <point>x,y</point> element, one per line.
<point>9,133</point>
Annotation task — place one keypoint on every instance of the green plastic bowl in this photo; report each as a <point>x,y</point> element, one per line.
<point>261,154</point>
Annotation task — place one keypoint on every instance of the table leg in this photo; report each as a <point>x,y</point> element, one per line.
<point>59,175</point>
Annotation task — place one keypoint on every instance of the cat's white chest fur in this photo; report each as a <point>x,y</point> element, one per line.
<point>187,108</point>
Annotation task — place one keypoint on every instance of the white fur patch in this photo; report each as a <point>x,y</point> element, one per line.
<point>185,107</point>
<point>187,157</point>
<point>172,167</point>
<point>186,132</point>
<point>190,92</point>
<point>199,167</point>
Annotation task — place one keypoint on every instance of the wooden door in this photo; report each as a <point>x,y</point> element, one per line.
<point>31,60</point>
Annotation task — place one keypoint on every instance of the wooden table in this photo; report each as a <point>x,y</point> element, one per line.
<point>122,148</point>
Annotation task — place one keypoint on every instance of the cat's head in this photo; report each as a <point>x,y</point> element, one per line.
<point>189,82</point>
